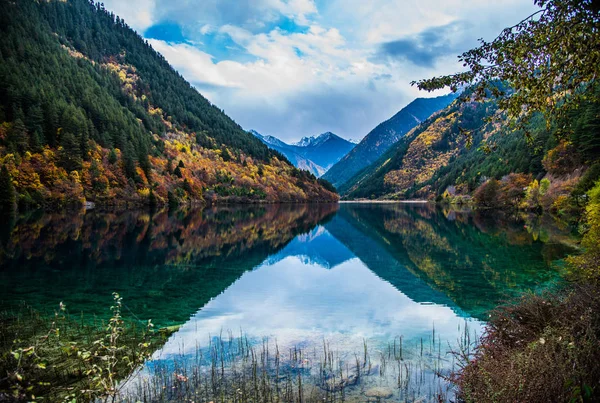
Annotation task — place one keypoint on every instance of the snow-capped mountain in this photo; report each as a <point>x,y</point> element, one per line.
<point>314,141</point>
<point>315,154</point>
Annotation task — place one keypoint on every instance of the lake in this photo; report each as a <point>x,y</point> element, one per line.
<point>365,301</point>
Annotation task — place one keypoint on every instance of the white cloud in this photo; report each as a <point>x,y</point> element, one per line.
<point>138,14</point>
<point>329,76</point>
<point>206,29</point>
<point>193,64</point>
<point>249,14</point>
<point>378,21</point>
<point>298,10</point>
<point>292,75</point>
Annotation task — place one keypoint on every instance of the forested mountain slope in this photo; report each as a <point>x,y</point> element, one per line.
<point>380,139</point>
<point>89,111</point>
<point>434,159</point>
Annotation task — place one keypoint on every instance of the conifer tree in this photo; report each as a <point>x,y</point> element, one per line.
<point>69,152</point>
<point>112,156</point>
<point>153,202</point>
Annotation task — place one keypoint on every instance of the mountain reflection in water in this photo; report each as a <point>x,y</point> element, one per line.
<point>168,266</point>
<point>310,277</point>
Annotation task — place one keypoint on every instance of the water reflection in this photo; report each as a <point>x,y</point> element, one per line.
<point>476,259</point>
<point>299,302</point>
<point>302,275</point>
<point>166,266</point>
<point>371,274</point>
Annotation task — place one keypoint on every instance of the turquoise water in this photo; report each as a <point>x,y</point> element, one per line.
<point>298,276</point>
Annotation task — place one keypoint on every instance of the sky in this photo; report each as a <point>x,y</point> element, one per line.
<point>296,68</point>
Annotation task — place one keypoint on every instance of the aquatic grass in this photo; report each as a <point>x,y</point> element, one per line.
<point>64,358</point>
<point>240,369</point>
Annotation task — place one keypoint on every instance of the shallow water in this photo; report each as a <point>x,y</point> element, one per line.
<point>306,277</point>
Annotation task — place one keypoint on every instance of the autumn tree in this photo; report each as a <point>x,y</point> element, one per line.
<point>513,188</point>
<point>487,195</point>
<point>549,60</point>
<point>588,263</point>
<point>562,159</point>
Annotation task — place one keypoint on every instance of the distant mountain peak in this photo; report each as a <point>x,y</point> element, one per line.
<point>305,141</point>
<point>269,140</point>
<point>315,154</point>
<point>317,140</point>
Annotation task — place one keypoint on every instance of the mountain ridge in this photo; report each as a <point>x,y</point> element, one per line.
<point>383,136</point>
<point>315,154</point>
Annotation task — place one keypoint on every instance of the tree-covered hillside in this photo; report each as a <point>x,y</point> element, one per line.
<point>458,150</point>
<point>89,111</point>
<point>382,137</point>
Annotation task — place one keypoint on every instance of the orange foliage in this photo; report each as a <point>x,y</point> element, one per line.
<point>421,160</point>
<point>181,167</point>
<point>562,159</point>
<point>204,177</point>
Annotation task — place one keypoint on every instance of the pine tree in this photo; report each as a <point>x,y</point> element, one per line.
<point>225,155</point>
<point>187,186</point>
<point>172,200</point>
<point>112,156</point>
<point>36,142</point>
<point>69,153</point>
<point>18,140</point>
<point>129,161</point>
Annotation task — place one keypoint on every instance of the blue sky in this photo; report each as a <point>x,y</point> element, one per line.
<point>295,68</point>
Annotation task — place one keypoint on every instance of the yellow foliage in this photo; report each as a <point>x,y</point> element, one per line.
<point>74,176</point>
<point>421,161</point>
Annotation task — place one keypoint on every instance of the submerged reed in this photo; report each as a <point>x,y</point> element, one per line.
<point>61,358</point>
<point>237,369</point>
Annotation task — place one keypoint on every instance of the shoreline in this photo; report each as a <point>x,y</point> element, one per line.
<point>384,201</point>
